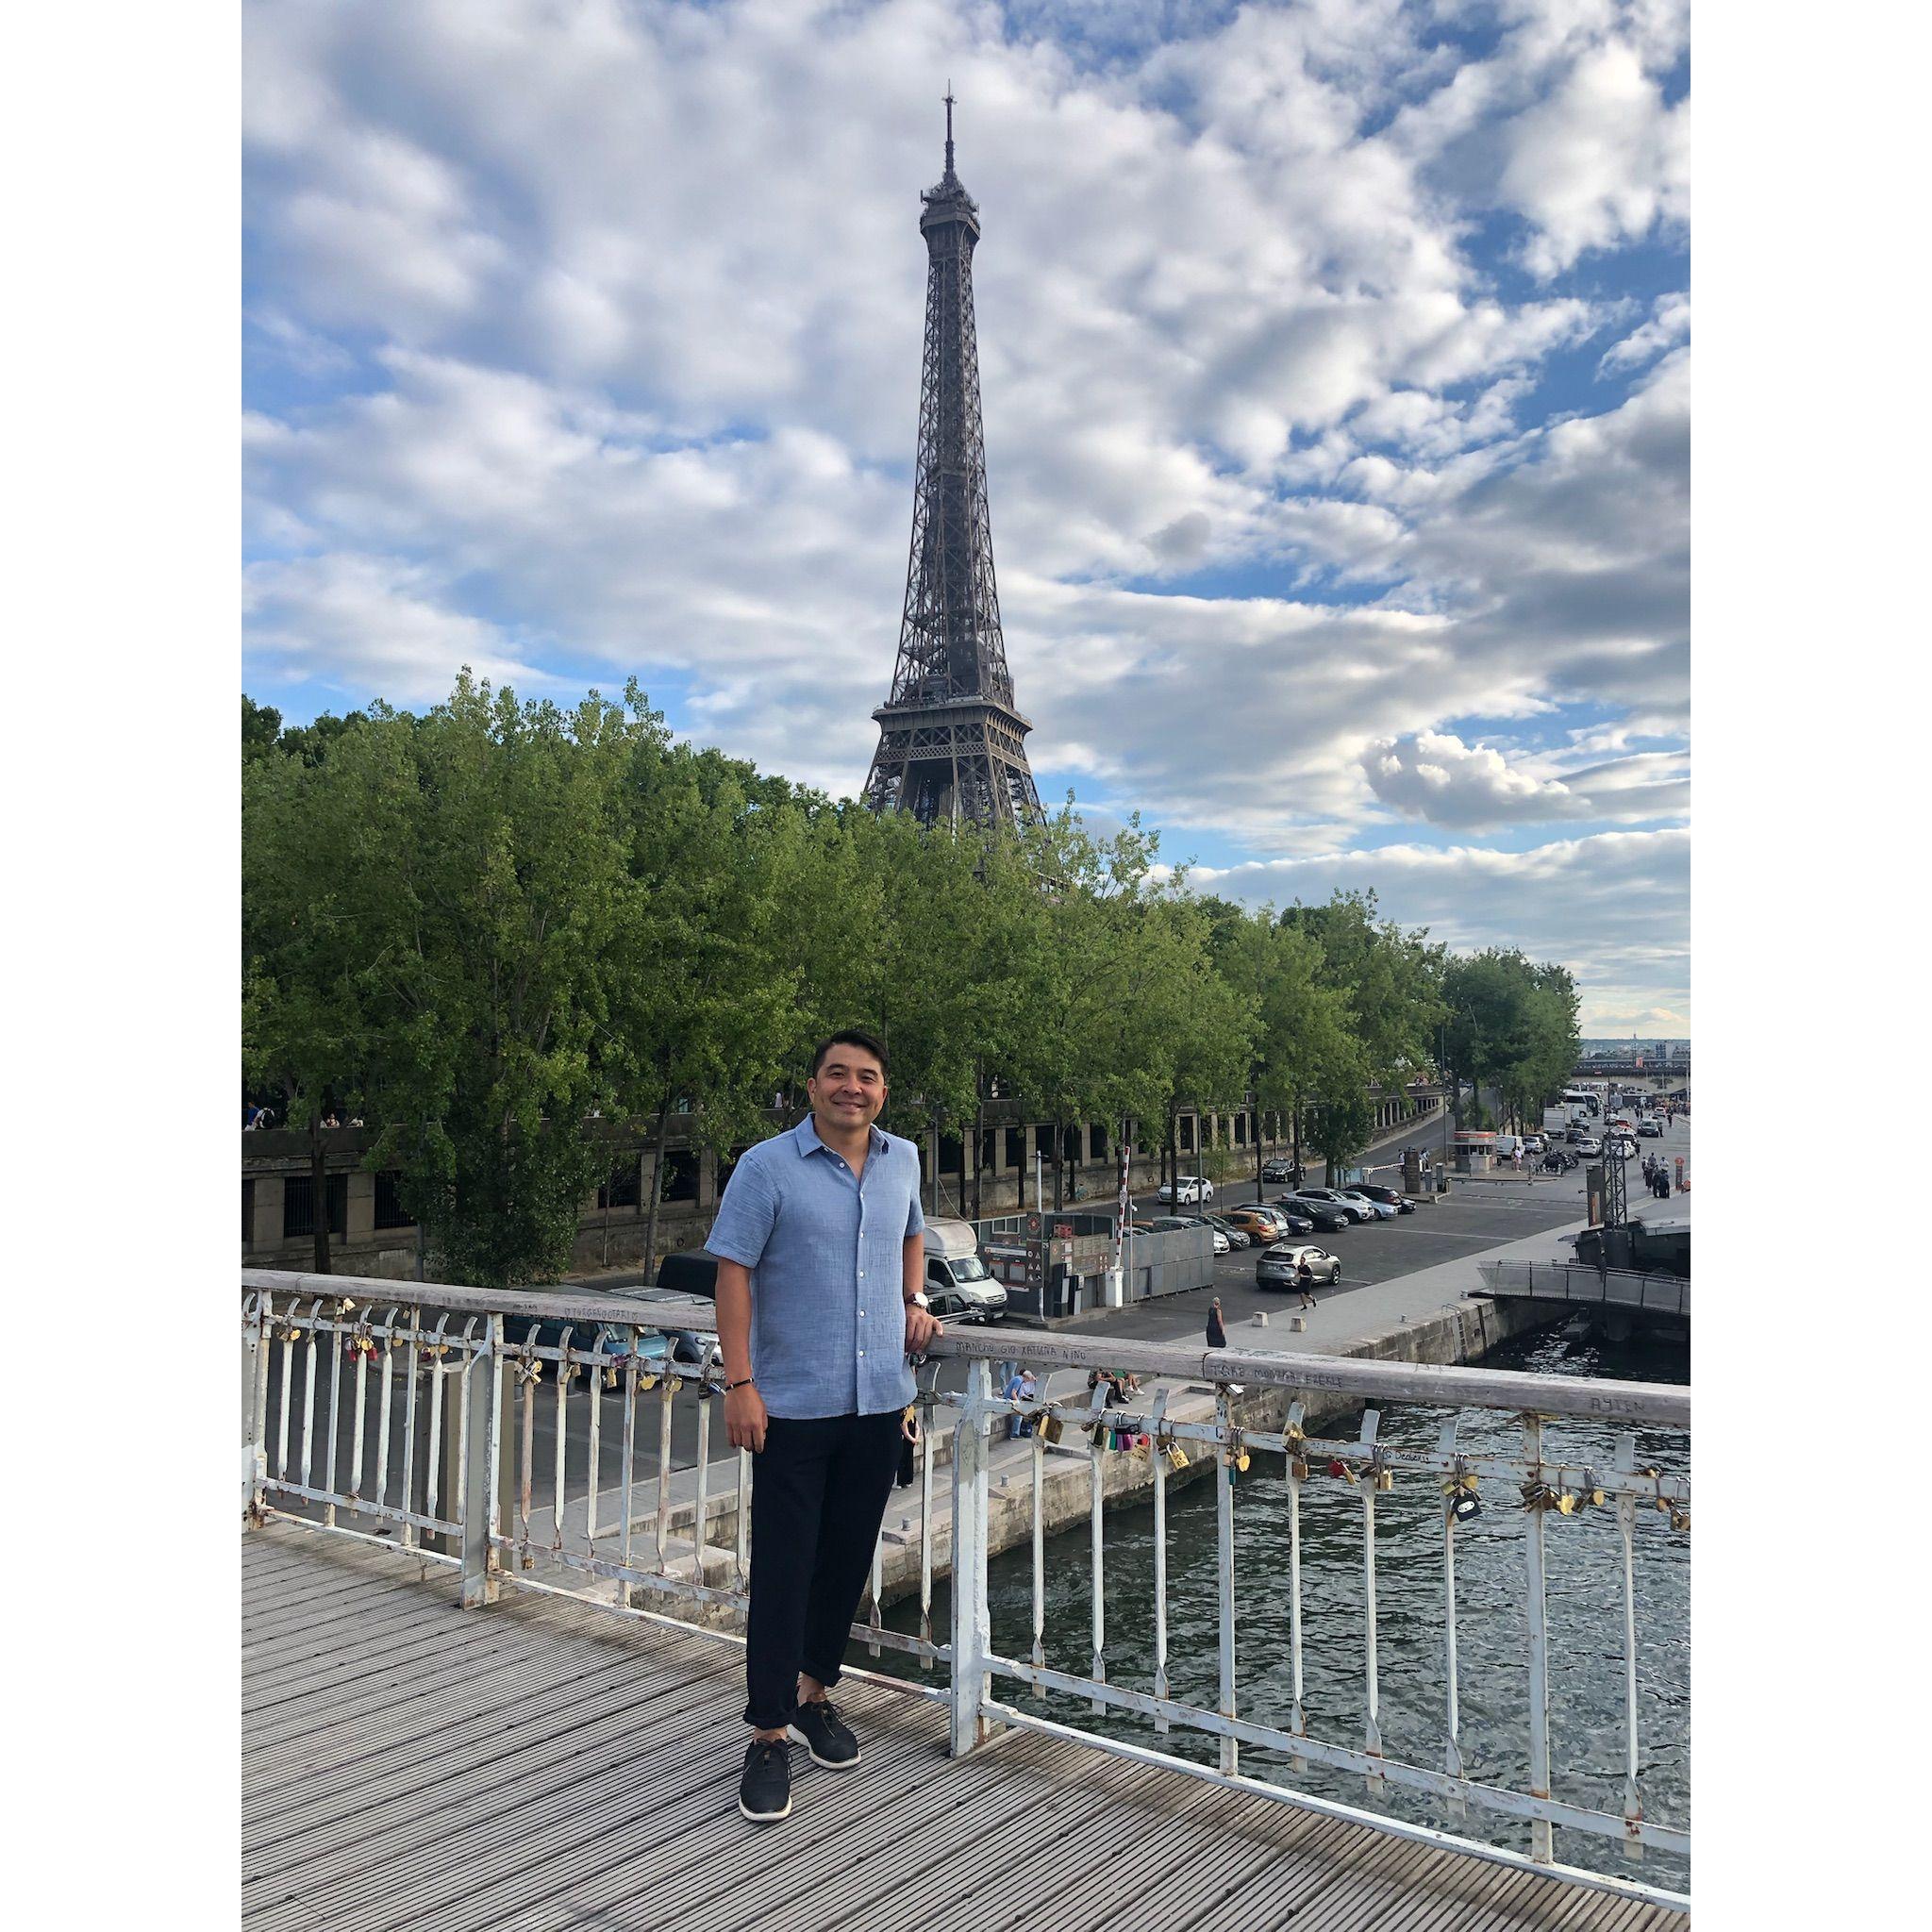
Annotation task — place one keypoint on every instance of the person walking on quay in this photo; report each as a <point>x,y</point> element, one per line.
<point>1217,1335</point>
<point>821,1251</point>
<point>1305,1280</point>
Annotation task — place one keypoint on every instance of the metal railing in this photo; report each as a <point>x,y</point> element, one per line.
<point>452,1458</point>
<point>1575,1281</point>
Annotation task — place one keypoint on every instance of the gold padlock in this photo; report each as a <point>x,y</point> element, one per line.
<point>1680,1519</point>
<point>1566,1503</point>
<point>648,1381</point>
<point>1050,1429</point>
<point>1176,1456</point>
<point>1240,1461</point>
<point>1298,1468</point>
<point>1385,1480</point>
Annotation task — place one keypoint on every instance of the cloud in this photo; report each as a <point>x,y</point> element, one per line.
<point>363,627</point>
<point>1669,324</point>
<point>1434,775</point>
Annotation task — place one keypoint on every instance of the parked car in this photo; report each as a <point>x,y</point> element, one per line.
<point>1184,1188</point>
<point>1532,1144</point>
<point>1256,1222</point>
<point>1334,1198</point>
<point>1380,1210</point>
<point>1328,1217</point>
<point>1280,1266</point>
<point>1588,1147</point>
<point>1389,1197</point>
<point>951,1304</point>
<point>1280,1169</point>
<point>1234,1237</point>
<point>1293,1217</point>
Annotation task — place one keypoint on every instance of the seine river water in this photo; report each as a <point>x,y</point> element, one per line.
<point>1584,1594</point>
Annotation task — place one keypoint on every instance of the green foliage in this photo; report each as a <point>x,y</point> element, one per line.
<point>485,925</point>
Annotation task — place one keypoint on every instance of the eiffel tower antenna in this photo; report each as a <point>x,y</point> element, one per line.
<point>951,744</point>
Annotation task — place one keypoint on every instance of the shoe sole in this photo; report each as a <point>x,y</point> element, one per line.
<point>826,1764</point>
<point>765,1817</point>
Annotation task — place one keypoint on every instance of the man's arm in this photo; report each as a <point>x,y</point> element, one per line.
<point>920,1324</point>
<point>744,1409</point>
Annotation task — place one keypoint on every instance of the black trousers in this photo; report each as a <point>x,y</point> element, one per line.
<point>819,1491</point>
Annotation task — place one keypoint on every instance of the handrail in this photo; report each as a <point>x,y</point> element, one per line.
<point>1651,1403</point>
<point>330,1361</point>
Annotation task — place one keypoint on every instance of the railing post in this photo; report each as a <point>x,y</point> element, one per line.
<point>255,1338</point>
<point>482,1455</point>
<point>972,1622</point>
<point>1540,1846</point>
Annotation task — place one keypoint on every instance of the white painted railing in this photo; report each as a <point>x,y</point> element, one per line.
<point>414,1420</point>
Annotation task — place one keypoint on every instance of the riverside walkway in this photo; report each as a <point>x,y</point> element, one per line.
<point>555,1753</point>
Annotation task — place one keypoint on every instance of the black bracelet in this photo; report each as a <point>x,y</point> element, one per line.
<point>745,1384</point>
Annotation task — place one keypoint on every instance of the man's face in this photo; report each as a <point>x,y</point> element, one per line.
<point>849,1087</point>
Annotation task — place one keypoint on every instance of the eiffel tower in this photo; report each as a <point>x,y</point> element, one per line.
<point>952,746</point>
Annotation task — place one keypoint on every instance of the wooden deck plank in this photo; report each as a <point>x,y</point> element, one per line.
<point>545,1765</point>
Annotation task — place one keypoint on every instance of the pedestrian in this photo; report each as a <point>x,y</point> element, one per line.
<point>821,1251</point>
<point>1217,1335</point>
<point>1305,1280</point>
<point>1029,1391</point>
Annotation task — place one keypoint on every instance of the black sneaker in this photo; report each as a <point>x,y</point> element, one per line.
<point>764,1792</point>
<point>825,1735</point>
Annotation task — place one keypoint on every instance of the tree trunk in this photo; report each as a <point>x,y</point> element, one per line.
<point>978,1163</point>
<point>657,1191</point>
<point>1059,1154</point>
<point>1255,1129</point>
<point>963,1165</point>
<point>1295,1106</point>
<point>318,1186</point>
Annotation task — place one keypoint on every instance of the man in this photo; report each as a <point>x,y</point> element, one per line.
<point>1305,1280</point>
<point>821,1253</point>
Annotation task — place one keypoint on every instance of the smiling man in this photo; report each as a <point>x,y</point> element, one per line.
<point>821,1249</point>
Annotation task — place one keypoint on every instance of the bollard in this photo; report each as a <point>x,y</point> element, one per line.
<point>1261,1320</point>
<point>1297,1324</point>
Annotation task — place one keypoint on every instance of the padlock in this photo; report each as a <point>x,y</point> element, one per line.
<point>1298,1468</point>
<point>1240,1461</point>
<point>1385,1480</point>
<point>1051,1429</point>
<point>648,1381</point>
<point>1337,1467</point>
<point>611,1375</point>
<point>1566,1503</point>
<point>1680,1519</point>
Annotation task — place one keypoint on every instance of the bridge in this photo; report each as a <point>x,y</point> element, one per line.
<point>461,1711</point>
<point>1620,1301</point>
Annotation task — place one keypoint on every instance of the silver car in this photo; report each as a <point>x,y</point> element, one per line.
<point>1383,1212</point>
<point>1281,1265</point>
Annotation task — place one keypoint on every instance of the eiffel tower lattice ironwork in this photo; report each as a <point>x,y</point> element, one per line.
<point>952,745</point>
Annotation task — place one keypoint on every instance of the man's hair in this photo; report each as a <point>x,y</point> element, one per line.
<point>851,1036</point>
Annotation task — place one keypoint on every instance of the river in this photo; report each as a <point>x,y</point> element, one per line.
<point>1584,1595</point>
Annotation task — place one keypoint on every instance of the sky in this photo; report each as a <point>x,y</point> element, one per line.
<point>1334,364</point>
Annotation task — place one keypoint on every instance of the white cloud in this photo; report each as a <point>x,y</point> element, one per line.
<point>1669,324</point>
<point>1434,775</point>
<point>363,626</point>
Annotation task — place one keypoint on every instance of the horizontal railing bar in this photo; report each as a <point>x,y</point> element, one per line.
<point>360,1536</point>
<point>1284,1794</point>
<point>414,1519</point>
<point>879,1679</point>
<point>1657,1404</point>
<point>1437,1783</point>
<point>1075,1413</point>
<point>681,1587</point>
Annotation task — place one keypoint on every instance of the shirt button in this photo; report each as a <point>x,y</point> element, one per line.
<point>862,1351</point>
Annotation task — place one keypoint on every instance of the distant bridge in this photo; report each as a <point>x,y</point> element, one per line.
<point>1646,1068</point>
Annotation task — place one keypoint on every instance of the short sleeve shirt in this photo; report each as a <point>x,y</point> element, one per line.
<point>826,1251</point>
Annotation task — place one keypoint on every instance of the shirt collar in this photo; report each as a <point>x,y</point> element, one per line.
<point>806,1135</point>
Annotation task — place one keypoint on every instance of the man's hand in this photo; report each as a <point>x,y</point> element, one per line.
<point>922,1325</point>
<point>745,1418</point>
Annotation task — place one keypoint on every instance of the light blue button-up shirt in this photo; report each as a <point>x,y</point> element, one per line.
<point>825,1250</point>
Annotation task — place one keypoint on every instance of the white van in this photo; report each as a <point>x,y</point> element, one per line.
<point>1505,1145</point>
<point>954,1269</point>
